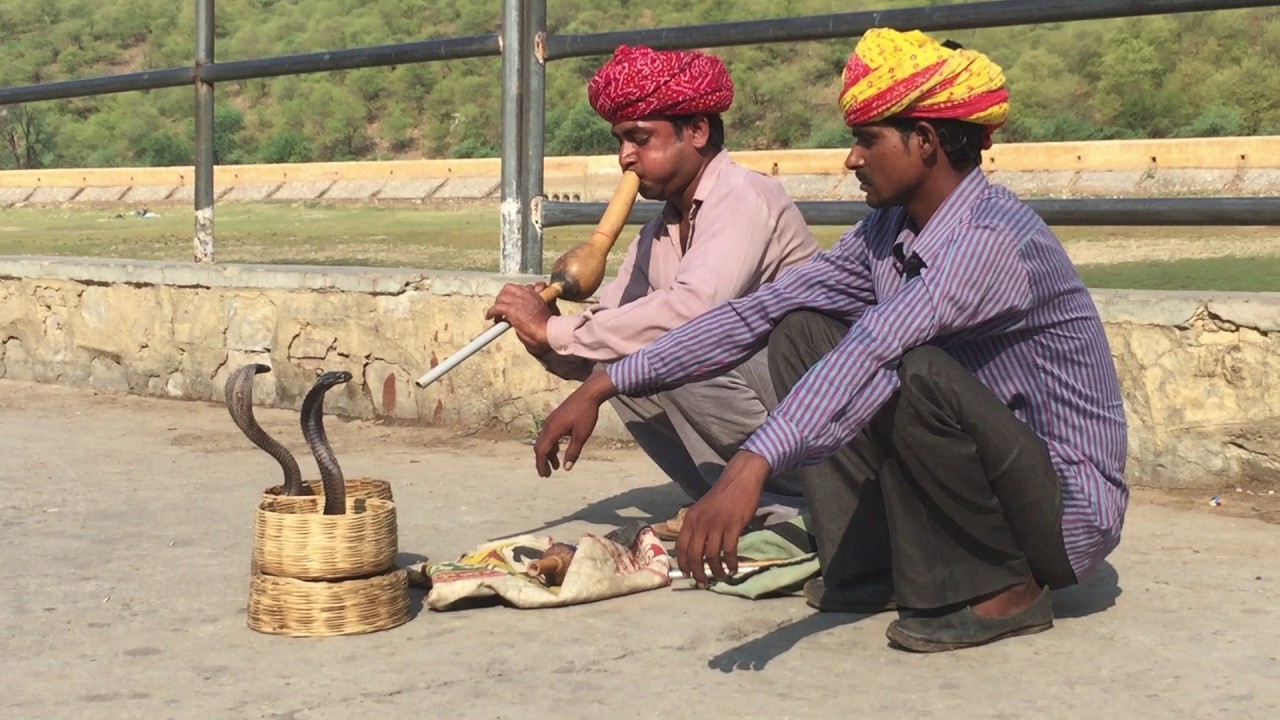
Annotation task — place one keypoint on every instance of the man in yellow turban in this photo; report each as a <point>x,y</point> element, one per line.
<point>948,398</point>
<point>909,75</point>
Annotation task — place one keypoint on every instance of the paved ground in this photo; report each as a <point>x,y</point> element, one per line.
<point>127,532</point>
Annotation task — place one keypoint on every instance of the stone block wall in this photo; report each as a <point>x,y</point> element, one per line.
<point>1199,371</point>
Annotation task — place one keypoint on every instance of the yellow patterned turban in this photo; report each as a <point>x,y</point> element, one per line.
<point>910,75</point>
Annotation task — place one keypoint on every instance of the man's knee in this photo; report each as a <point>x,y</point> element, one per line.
<point>792,330</point>
<point>805,333</point>
<point>925,362</point>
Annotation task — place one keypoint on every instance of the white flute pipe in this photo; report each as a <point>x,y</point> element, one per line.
<point>467,351</point>
<point>745,566</point>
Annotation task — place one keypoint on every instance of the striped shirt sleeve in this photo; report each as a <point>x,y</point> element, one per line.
<point>976,284</point>
<point>837,282</point>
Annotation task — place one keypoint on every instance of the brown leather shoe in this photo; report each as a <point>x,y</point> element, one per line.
<point>670,529</point>
<point>964,628</point>
<point>866,595</point>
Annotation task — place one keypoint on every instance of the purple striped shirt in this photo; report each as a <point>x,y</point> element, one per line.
<point>996,291</point>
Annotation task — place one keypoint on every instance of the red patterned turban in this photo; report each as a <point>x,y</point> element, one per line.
<point>910,75</point>
<point>638,82</point>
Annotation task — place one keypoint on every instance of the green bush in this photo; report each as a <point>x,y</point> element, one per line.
<point>286,146</point>
<point>164,149</point>
<point>471,148</point>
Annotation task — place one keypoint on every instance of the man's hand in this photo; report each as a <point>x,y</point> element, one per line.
<point>527,312</point>
<point>575,417</point>
<point>711,527</point>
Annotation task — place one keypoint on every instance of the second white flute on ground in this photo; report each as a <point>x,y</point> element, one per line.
<point>744,566</point>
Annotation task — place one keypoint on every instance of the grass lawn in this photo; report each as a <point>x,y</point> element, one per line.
<point>1243,274</point>
<point>465,237</point>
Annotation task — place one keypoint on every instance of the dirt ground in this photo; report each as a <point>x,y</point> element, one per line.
<point>1105,246</point>
<point>127,533</point>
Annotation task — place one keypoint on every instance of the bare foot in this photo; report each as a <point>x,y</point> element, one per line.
<point>1009,601</point>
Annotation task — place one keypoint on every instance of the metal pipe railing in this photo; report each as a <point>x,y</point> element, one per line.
<point>380,56</point>
<point>204,156</point>
<point>967,16</point>
<point>533,132</point>
<point>514,175</point>
<point>326,61</point>
<point>1090,211</point>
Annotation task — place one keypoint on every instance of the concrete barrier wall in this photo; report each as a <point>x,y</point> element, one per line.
<point>1247,166</point>
<point>1199,371</point>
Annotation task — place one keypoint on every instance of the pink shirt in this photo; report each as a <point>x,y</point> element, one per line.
<point>743,231</point>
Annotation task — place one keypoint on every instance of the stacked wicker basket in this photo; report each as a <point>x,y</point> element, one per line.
<point>316,574</point>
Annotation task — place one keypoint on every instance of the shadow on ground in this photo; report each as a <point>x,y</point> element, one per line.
<point>417,596</point>
<point>645,504</point>
<point>1095,595</point>
<point>756,654</point>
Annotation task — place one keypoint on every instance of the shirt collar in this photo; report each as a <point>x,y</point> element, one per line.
<point>706,182</point>
<point>953,209</point>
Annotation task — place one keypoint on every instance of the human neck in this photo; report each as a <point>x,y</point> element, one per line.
<point>935,191</point>
<point>684,201</point>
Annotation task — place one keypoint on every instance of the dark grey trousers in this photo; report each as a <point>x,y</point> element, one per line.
<point>691,432</point>
<point>945,487</point>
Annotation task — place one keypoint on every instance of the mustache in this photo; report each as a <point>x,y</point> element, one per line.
<point>862,178</point>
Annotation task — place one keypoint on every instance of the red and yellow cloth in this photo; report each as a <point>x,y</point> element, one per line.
<point>639,82</point>
<point>910,75</point>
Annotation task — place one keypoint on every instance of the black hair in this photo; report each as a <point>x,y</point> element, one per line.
<point>716,141</point>
<point>961,141</point>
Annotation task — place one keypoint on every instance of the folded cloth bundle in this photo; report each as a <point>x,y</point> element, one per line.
<point>628,560</point>
<point>787,542</point>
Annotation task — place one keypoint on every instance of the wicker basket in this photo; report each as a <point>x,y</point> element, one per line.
<point>293,538</point>
<point>298,608</point>
<point>356,487</point>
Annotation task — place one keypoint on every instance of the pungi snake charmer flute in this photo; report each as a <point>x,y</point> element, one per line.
<point>576,275</point>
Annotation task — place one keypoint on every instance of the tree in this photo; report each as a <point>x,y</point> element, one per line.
<point>1216,121</point>
<point>579,131</point>
<point>24,133</point>
<point>1131,91</point>
<point>227,124</point>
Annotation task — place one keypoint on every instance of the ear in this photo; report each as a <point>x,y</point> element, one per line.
<point>925,136</point>
<point>699,132</point>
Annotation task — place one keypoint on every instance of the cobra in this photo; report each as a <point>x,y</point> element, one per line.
<point>239,392</point>
<point>335,490</point>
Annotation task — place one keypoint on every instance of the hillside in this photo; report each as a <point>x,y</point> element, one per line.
<point>1189,75</point>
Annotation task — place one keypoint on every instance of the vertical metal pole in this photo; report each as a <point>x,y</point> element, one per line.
<point>513,59</point>
<point>534,129</point>
<point>204,134</point>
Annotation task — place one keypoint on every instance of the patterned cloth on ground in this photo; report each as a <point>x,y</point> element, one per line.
<point>628,560</point>
<point>789,541</point>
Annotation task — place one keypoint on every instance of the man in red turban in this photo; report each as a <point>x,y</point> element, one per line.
<point>638,82</point>
<point>723,232</point>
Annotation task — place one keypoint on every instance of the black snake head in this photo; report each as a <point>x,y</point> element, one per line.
<point>239,392</point>
<point>239,388</point>
<point>335,491</point>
